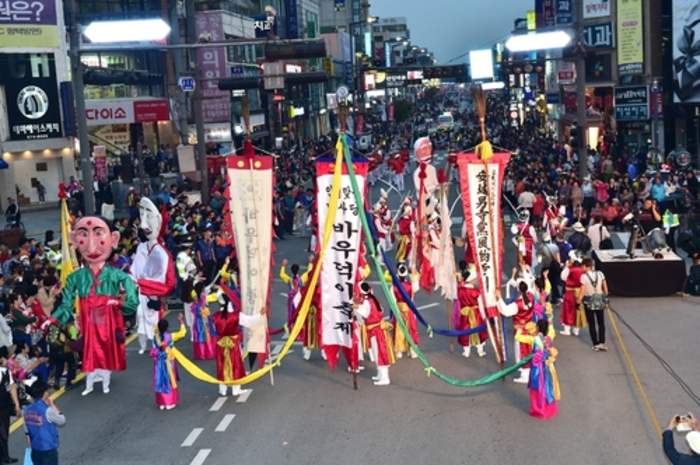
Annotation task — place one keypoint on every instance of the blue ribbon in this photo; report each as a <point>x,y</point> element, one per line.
<point>406,298</point>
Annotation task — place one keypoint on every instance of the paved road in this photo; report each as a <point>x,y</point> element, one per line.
<point>313,416</point>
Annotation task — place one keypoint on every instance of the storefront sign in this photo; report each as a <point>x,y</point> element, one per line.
<point>33,104</point>
<point>656,101</point>
<point>566,74</point>
<point>632,103</point>
<point>265,24</point>
<point>599,68</point>
<point>596,8</point>
<point>211,66</point>
<point>126,111</point>
<point>599,36</point>
<point>630,43</point>
<point>28,24</point>
<point>564,11</point>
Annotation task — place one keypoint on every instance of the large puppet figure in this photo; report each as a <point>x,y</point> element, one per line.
<point>154,272</point>
<point>96,296</point>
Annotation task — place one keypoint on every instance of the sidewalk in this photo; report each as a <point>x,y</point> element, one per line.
<point>37,222</point>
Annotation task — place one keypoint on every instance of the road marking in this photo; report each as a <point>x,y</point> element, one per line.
<point>200,457</point>
<point>223,424</point>
<point>218,403</point>
<point>283,294</point>
<point>635,376</point>
<point>423,307</point>
<point>276,349</point>
<point>243,397</point>
<point>192,437</point>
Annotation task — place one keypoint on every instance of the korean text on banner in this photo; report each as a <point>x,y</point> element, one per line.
<point>339,267</point>
<point>27,24</point>
<point>630,41</point>
<point>250,189</point>
<point>480,183</point>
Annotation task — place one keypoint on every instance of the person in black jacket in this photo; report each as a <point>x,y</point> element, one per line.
<point>693,439</point>
<point>579,240</point>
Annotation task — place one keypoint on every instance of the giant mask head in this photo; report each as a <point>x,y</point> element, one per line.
<point>150,219</point>
<point>94,239</point>
<point>423,149</point>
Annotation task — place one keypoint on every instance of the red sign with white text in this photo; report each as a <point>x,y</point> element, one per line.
<point>150,111</point>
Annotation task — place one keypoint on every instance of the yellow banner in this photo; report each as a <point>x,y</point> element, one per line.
<point>202,375</point>
<point>630,42</point>
<point>28,36</point>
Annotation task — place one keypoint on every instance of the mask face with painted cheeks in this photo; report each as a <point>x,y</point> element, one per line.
<point>150,220</point>
<point>94,240</point>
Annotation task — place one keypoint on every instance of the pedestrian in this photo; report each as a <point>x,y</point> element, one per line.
<point>692,438</point>
<point>41,191</point>
<point>595,298</point>
<point>579,240</point>
<point>598,235</point>
<point>9,405</point>
<point>41,418</point>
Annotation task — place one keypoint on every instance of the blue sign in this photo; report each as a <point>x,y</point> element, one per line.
<point>292,19</point>
<point>186,83</point>
<point>564,11</point>
<point>264,25</point>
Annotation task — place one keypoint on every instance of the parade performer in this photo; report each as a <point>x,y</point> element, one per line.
<point>469,311</point>
<point>186,271</point>
<point>525,237</point>
<point>406,232</point>
<point>367,306</point>
<point>554,217</point>
<point>296,283</point>
<point>381,217</point>
<point>410,286</point>
<point>572,316</point>
<point>103,293</point>
<point>203,331</point>
<point>522,310</point>
<point>398,166</point>
<point>544,381</point>
<point>153,270</point>
<point>229,361</point>
<point>165,375</point>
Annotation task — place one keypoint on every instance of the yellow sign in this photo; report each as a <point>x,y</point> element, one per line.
<point>630,37</point>
<point>531,20</point>
<point>28,36</point>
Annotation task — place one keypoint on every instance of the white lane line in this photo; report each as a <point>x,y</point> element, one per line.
<point>223,424</point>
<point>192,437</point>
<point>423,307</point>
<point>218,403</point>
<point>243,397</point>
<point>200,457</point>
<point>283,294</point>
<point>276,349</point>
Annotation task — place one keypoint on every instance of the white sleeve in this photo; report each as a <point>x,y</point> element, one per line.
<point>505,309</point>
<point>248,321</point>
<point>363,309</point>
<point>564,273</point>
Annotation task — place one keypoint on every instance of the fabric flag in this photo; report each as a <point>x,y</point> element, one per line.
<point>69,261</point>
<point>250,179</point>
<point>340,264</point>
<point>445,274</point>
<point>480,183</point>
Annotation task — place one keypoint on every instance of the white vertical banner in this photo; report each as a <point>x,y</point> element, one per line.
<point>250,202</point>
<point>339,267</point>
<point>481,198</point>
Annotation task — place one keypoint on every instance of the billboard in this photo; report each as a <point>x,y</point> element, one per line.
<point>686,86</point>
<point>31,92</point>
<point>596,8</point>
<point>211,66</point>
<point>632,103</point>
<point>481,64</point>
<point>28,24</point>
<point>630,40</point>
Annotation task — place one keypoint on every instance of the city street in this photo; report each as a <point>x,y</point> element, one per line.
<point>312,415</point>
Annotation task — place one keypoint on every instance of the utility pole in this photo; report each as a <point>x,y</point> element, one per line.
<point>79,96</point>
<point>580,51</point>
<point>179,66</point>
<point>197,108</point>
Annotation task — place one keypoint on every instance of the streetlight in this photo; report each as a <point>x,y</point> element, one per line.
<point>550,40</point>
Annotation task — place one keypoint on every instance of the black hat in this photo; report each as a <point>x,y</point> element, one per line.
<point>365,288</point>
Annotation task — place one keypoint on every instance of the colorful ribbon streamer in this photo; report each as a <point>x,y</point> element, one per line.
<point>430,370</point>
<point>308,294</point>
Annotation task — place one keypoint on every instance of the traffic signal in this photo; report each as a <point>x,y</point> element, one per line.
<point>295,50</point>
<point>445,72</point>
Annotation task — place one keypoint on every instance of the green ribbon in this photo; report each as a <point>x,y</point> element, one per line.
<point>430,370</point>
